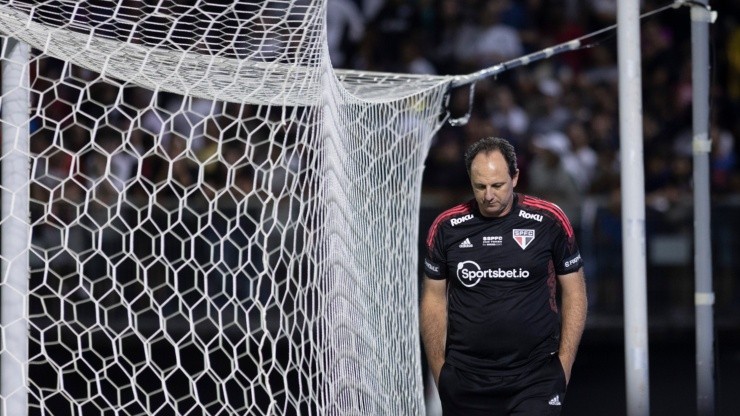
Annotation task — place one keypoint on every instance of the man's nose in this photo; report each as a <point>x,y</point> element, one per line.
<point>489,193</point>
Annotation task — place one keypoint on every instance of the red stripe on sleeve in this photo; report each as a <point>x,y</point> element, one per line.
<point>552,208</point>
<point>452,212</point>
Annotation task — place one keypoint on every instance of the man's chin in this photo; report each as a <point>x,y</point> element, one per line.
<point>490,211</point>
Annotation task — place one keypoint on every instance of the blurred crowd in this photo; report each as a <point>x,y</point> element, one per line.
<point>562,112</point>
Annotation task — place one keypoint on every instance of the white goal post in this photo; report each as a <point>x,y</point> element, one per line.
<point>201,216</point>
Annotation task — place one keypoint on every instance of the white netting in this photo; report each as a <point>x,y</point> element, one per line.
<point>215,221</point>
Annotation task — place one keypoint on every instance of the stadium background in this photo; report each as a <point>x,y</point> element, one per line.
<point>562,115</point>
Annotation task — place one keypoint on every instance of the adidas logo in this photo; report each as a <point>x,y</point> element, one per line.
<point>555,401</point>
<point>466,244</point>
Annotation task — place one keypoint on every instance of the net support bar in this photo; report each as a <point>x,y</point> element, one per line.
<point>15,228</point>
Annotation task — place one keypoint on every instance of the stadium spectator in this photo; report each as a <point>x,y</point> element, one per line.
<point>507,115</point>
<point>395,21</point>
<point>497,41</point>
<point>345,26</point>
<point>449,19</point>
<point>733,68</point>
<point>550,114</point>
<point>413,61</point>
<point>723,159</point>
<point>445,176</point>
<point>554,172</point>
<point>585,157</point>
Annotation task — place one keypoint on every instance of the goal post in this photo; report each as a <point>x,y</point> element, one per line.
<point>216,221</point>
<point>201,216</point>
<point>14,229</point>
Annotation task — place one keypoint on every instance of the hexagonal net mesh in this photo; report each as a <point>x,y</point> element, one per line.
<point>200,216</point>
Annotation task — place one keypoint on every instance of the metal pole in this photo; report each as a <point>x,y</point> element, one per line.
<point>703,295</point>
<point>15,228</point>
<point>633,208</point>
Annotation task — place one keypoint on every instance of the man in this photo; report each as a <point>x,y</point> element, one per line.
<point>496,338</point>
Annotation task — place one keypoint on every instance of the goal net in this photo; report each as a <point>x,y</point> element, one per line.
<point>201,216</point>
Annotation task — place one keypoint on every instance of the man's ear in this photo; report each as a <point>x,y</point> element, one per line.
<point>515,178</point>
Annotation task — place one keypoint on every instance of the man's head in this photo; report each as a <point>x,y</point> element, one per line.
<point>491,165</point>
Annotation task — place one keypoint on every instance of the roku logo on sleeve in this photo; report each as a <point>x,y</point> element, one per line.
<point>530,216</point>
<point>460,220</point>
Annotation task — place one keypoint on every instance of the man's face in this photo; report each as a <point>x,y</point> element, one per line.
<point>493,188</point>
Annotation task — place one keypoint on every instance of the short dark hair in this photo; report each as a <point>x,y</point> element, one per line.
<point>491,144</point>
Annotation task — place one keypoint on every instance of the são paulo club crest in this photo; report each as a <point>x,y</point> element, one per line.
<point>523,237</point>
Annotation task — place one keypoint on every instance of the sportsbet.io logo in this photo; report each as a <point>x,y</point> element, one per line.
<point>470,273</point>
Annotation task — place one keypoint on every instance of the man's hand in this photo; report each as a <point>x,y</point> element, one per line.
<point>574,308</point>
<point>433,323</point>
